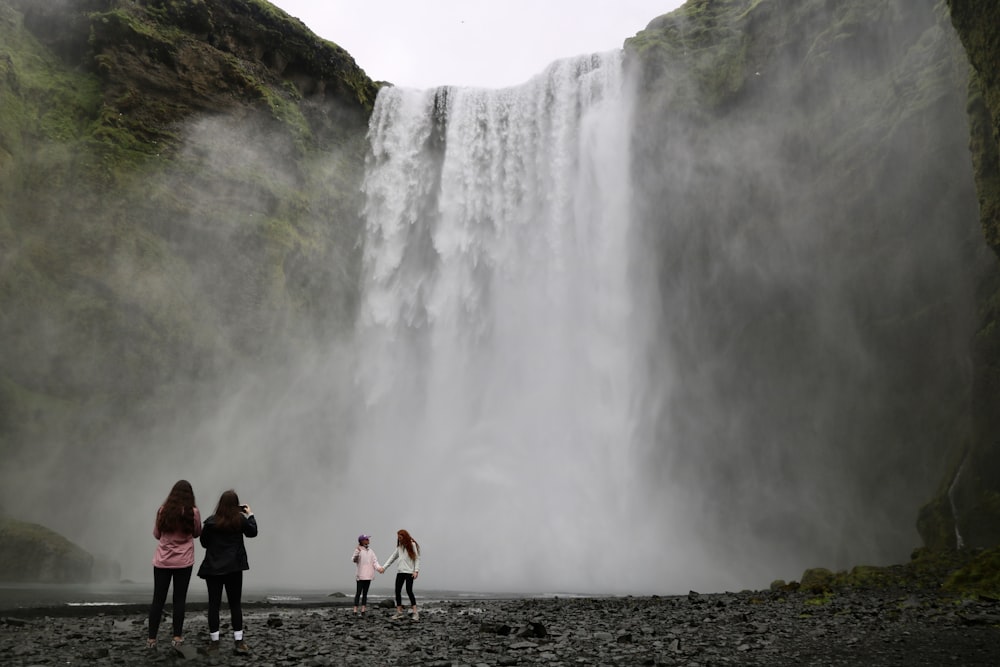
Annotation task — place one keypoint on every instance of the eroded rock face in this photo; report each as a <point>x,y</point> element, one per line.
<point>967,510</point>
<point>978,26</point>
<point>179,197</point>
<point>820,263</point>
<point>30,553</point>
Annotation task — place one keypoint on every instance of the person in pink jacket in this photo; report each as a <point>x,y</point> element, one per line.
<point>367,564</point>
<point>177,523</point>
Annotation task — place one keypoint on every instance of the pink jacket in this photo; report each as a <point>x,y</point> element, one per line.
<point>367,563</point>
<point>175,550</point>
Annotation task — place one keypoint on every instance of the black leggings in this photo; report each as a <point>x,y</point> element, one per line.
<point>233,583</point>
<point>362,592</point>
<point>406,577</point>
<point>161,584</point>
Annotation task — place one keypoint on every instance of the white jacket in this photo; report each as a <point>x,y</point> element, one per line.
<point>406,566</point>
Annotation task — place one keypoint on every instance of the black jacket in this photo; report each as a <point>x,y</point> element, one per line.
<point>224,550</point>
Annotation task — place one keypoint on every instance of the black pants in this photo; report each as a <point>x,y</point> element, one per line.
<point>362,592</point>
<point>407,578</point>
<point>233,583</point>
<point>162,576</point>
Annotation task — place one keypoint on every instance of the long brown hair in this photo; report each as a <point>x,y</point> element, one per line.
<point>177,513</point>
<point>228,513</point>
<point>403,539</point>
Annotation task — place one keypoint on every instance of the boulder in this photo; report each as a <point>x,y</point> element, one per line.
<point>817,580</point>
<point>30,553</point>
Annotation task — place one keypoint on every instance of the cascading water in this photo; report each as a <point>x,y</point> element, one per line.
<point>753,368</point>
<point>959,542</point>
<point>497,353</point>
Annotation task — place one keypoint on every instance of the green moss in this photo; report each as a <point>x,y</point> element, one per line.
<point>867,576</point>
<point>135,24</point>
<point>287,111</point>
<point>39,97</point>
<point>705,41</point>
<point>32,553</point>
<point>819,600</point>
<point>979,578</point>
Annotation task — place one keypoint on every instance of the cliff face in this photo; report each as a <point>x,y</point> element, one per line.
<point>978,25</point>
<point>806,188</point>
<point>975,494</point>
<point>178,197</point>
<point>33,553</point>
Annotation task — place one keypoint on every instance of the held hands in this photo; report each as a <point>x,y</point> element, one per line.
<point>381,570</point>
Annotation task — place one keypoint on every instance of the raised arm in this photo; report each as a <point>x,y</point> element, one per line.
<point>250,525</point>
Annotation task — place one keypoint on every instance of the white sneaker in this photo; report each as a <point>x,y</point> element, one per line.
<point>398,615</point>
<point>416,615</point>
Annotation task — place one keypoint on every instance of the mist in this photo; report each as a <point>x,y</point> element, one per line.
<point>589,340</point>
<point>816,252</point>
<point>498,363</point>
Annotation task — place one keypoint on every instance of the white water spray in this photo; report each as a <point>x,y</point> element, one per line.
<point>498,353</point>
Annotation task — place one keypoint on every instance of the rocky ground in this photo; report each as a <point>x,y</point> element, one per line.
<point>771,628</point>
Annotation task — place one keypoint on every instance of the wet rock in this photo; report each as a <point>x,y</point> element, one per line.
<point>751,629</point>
<point>495,628</point>
<point>15,622</point>
<point>187,652</point>
<point>817,580</point>
<point>532,629</point>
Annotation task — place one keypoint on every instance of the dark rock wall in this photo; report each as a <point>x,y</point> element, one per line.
<point>973,492</point>
<point>804,179</point>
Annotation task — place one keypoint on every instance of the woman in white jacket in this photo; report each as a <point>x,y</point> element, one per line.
<point>408,554</point>
<point>367,564</point>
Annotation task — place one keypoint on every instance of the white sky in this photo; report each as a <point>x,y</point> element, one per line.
<point>427,43</point>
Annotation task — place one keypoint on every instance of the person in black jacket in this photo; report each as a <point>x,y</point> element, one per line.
<point>225,559</point>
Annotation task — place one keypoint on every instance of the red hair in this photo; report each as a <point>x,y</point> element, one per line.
<point>404,540</point>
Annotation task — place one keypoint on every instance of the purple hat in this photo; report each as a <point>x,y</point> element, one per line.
<point>362,537</point>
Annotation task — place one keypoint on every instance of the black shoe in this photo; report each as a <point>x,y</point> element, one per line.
<point>240,647</point>
<point>213,647</point>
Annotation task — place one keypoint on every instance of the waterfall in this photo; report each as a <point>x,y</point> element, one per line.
<point>496,356</point>
<point>959,542</point>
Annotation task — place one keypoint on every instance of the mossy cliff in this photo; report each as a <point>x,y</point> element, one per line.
<point>33,553</point>
<point>179,187</point>
<point>180,196</point>
<point>974,495</point>
<point>807,193</point>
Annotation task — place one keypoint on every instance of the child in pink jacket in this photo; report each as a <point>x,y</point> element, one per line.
<point>367,565</point>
